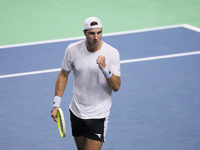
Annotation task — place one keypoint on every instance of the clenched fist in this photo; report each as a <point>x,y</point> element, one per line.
<point>101,61</point>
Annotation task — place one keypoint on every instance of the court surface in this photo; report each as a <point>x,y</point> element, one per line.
<point>157,107</point>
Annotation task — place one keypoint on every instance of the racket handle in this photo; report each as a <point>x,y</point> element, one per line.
<point>51,111</point>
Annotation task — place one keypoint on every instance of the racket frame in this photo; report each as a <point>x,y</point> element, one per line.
<point>60,112</point>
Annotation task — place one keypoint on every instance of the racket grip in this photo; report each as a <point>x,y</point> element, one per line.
<point>51,111</point>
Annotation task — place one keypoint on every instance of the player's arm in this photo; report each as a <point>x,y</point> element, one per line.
<point>113,81</point>
<point>59,90</point>
<point>61,83</point>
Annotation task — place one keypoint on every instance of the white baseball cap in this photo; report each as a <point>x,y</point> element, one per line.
<point>88,21</point>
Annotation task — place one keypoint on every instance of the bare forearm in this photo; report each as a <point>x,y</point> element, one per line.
<point>61,84</point>
<point>114,83</point>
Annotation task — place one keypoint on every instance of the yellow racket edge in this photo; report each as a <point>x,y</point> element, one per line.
<point>62,133</point>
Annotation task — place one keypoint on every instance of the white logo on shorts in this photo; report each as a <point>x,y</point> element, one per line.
<point>99,135</point>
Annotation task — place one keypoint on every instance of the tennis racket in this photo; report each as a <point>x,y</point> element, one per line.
<point>61,122</point>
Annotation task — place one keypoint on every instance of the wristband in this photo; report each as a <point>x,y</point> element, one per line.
<point>56,102</point>
<point>107,73</point>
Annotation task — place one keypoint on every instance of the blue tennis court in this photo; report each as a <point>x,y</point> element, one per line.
<point>157,107</point>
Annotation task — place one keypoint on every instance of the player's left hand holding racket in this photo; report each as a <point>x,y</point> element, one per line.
<point>58,116</point>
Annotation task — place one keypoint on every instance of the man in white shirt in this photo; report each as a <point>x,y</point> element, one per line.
<point>96,71</point>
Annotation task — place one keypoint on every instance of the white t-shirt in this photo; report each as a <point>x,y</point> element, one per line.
<point>91,93</point>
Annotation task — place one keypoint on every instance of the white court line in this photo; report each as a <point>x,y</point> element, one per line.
<point>191,27</point>
<point>121,62</point>
<point>108,34</point>
<point>160,57</point>
<point>30,73</point>
<point>104,35</point>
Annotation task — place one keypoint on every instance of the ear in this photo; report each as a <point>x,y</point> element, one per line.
<point>85,31</point>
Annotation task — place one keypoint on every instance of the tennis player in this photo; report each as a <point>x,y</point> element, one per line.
<point>96,71</point>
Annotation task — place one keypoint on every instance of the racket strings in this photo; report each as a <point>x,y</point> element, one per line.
<point>61,123</point>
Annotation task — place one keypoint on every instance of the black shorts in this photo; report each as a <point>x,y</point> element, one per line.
<point>94,129</point>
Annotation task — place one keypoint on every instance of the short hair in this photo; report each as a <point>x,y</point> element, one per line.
<point>93,23</point>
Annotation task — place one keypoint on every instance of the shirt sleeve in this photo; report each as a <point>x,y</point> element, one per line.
<point>67,63</point>
<point>115,65</point>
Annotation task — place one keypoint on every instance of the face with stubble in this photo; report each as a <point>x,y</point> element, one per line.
<point>93,39</point>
